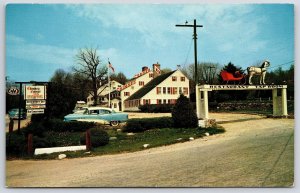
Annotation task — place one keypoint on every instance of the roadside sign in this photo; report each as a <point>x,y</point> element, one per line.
<point>35,92</point>
<point>35,102</point>
<point>35,106</point>
<point>36,111</point>
<point>13,91</point>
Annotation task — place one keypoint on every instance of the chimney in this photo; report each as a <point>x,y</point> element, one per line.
<point>156,70</point>
<point>144,68</point>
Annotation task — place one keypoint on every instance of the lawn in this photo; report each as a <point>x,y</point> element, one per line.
<point>131,143</point>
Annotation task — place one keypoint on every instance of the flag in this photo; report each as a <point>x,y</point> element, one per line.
<point>111,67</point>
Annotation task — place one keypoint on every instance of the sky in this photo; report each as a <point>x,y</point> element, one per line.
<point>41,38</point>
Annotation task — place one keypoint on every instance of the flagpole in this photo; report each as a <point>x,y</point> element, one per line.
<point>108,84</point>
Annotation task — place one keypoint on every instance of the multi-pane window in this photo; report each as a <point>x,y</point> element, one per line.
<point>158,101</point>
<point>158,90</point>
<point>180,90</point>
<point>141,83</point>
<point>169,90</point>
<point>126,93</point>
<point>164,90</point>
<point>174,78</point>
<point>174,90</point>
<point>182,79</point>
<point>146,101</point>
<point>164,101</point>
<point>185,91</point>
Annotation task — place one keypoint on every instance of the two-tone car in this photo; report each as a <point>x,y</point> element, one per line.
<point>99,115</point>
<point>14,114</point>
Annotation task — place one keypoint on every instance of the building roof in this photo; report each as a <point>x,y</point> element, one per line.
<point>133,80</point>
<point>149,86</point>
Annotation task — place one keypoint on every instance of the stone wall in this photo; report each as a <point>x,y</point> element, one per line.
<point>234,106</point>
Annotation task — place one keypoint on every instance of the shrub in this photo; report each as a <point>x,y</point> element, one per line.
<point>139,125</point>
<point>42,142</point>
<point>99,137</point>
<point>37,128</point>
<point>183,113</point>
<point>15,144</point>
<point>160,108</point>
<point>73,126</point>
<point>38,117</point>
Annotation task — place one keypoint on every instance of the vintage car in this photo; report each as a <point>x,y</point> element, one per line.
<point>80,107</point>
<point>79,110</point>
<point>14,114</point>
<point>99,115</point>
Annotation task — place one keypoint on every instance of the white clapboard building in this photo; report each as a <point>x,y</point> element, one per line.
<point>147,87</point>
<point>163,89</point>
<point>103,95</point>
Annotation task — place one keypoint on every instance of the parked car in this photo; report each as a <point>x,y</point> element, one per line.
<point>14,114</point>
<point>99,115</point>
<point>80,107</point>
<point>79,110</point>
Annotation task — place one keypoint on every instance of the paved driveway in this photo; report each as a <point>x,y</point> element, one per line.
<point>253,152</point>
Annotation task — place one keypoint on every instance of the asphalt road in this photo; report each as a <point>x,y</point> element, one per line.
<point>253,152</point>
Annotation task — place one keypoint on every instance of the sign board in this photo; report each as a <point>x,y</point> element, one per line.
<point>35,92</point>
<point>35,102</point>
<point>13,91</point>
<point>241,87</point>
<point>36,111</point>
<point>35,106</point>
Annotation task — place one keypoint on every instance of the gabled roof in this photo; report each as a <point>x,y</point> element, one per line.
<point>133,80</point>
<point>149,86</point>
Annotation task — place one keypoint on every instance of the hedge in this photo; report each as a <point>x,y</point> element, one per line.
<point>73,126</point>
<point>99,137</point>
<point>161,108</point>
<point>139,125</point>
<point>15,144</point>
<point>38,128</point>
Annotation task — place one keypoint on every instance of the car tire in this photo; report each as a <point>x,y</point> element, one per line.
<point>114,123</point>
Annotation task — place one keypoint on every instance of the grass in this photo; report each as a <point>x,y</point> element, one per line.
<point>132,143</point>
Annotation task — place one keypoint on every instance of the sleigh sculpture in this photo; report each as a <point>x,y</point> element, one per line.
<point>228,77</point>
<point>239,78</point>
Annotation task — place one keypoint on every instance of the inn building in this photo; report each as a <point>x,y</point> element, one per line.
<point>147,87</point>
<point>163,89</point>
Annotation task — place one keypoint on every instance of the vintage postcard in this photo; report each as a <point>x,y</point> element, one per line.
<point>149,95</point>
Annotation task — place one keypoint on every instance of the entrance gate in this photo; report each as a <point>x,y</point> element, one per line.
<point>202,97</point>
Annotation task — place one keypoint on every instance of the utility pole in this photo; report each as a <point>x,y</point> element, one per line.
<point>195,45</point>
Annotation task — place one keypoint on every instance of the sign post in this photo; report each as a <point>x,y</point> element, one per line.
<point>31,92</point>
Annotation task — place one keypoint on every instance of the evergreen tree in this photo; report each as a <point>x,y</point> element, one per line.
<point>183,113</point>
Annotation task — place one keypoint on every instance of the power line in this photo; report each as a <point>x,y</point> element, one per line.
<point>188,53</point>
<point>283,64</point>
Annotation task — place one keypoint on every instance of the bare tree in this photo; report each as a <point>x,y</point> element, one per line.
<point>88,64</point>
<point>207,71</point>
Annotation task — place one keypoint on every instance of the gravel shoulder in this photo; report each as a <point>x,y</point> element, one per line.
<point>253,152</point>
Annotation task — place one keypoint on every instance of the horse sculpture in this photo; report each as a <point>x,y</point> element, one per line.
<point>261,71</point>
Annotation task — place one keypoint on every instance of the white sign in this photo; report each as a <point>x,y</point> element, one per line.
<point>36,111</point>
<point>241,87</point>
<point>35,102</point>
<point>13,91</point>
<point>35,106</point>
<point>35,92</point>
